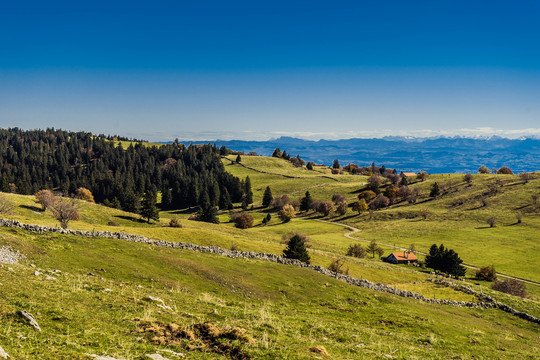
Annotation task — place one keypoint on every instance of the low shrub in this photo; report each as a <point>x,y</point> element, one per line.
<point>175,223</point>
<point>356,250</point>
<point>511,286</point>
<point>338,265</point>
<point>486,273</point>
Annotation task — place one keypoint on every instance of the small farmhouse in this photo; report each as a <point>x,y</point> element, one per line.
<point>409,174</point>
<point>405,257</point>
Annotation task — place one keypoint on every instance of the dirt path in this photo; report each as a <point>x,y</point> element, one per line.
<point>355,230</point>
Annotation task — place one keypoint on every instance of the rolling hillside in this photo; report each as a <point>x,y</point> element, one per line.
<point>91,295</point>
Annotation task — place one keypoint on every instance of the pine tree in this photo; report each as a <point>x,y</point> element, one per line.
<point>305,202</point>
<point>267,197</point>
<point>435,190</point>
<point>166,199</point>
<point>225,200</point>
<point>208,213</point>
<point>296,249</point>
<point>247,191</point>
<point>149,210</point>
<point>238,158</point>
<point>335,165</point>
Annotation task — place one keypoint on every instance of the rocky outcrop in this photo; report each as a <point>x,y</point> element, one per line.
<point>487,302</point>
<point>29,318</point>
<point>3,354</point>
<point>10,256</point>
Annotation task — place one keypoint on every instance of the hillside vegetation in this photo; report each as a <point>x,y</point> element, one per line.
<point>90,295</point>
<point>457,218</point>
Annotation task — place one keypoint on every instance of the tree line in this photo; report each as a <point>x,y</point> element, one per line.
<point>118,177</point>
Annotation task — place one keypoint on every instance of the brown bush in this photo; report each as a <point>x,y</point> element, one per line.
<point>280,201</point>
<point>337,198</point>
<point>45,198</point>
<point>356,250</point>
<point>367,195</point>
<point>380,202</point>
<point>360,206</point>
<point>243,221</point>
<point>175,223</point>
<point>338,265</point>
<point>505,170</point>
<point>486,273</point>
<point>65,210</point>
<point>326,207</point>
<point>6,207</point>
<point>342,207</point>
<point>85,194</point>
<point>511,286</point>
<point>287,213</point>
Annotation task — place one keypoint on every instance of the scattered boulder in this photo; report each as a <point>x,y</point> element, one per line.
<point>156,357</point>
<point>173,353</point>
<point>29,318</point>
<point>3,354</point>
<point>99,357</point>
<point>319,349</point>
<point>159,302</point>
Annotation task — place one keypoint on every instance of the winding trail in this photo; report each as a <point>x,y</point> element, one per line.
<point>355,230</point>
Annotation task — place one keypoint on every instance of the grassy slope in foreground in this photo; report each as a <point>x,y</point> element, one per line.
<point>283,309</point>
<point>456,219</point>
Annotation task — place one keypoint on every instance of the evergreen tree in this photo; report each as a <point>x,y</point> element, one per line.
<point>225,200</point>
<point>306,201</point>
<point>166,199</point>
<point>296,249</point>
<point>309,165</point>
<point>267,197</point>
<point>435,190</point>
<point>335,165</point>
<point>149,210</point>
<point>238,158</point>
<point>247,191</point>
<point>130,202</point>
<point>445,260</point>
<point>208,213</point>
<point>276,153</point>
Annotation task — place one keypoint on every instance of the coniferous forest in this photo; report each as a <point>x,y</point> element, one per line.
<point>118,177</point>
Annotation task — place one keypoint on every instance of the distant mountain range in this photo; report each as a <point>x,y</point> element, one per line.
<point>434,155</point>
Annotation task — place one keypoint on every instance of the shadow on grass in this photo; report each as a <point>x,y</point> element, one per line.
<point>484,227</point>
<point>130,218</point>
<point>31,208</point>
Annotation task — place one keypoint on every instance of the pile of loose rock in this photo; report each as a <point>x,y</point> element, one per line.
<point>10,256</point>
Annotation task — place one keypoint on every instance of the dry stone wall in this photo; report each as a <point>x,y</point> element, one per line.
<point>487,301</point>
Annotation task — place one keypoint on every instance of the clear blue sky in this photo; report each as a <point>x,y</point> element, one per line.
<point>249,69</point>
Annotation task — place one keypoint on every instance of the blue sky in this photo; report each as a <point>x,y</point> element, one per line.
<point>252,70</point>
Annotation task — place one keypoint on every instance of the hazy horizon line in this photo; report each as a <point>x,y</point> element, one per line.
<point>476,133</point>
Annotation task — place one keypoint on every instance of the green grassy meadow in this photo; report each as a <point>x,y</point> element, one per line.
<point>96,302</point>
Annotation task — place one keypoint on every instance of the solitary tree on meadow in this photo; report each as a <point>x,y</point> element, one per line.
<point>296,249</point>
<point>267,197</point>
<point>435,190</point>
<point>65,210</point>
